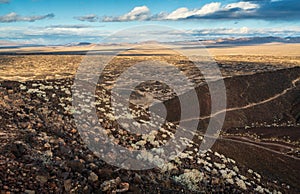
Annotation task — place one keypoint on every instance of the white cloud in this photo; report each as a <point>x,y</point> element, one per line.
<point>69,26</point>
<point>182,13</point>
<point>88,18</point>
<point>137,13</point>
<point>208,9</point>
<point>244,30</point>
<point>14,17</point>
<point>19,32</point>
<point>221,31</point>
<point>242,5</point>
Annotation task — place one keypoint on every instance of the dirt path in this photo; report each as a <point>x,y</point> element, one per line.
<point>261,145</point>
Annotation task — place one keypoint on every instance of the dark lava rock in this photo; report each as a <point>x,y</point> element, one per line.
<point>76,165</point>
<point>18,148</point>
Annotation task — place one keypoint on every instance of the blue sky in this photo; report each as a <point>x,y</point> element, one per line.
<point>61,22</point>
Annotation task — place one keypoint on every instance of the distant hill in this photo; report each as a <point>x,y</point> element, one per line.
<point>79,44</point>
<point>223,42</point>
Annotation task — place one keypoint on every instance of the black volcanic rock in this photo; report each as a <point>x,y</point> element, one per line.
<point>295,111</point>
<point>262,97</point>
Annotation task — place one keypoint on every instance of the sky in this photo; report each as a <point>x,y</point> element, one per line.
<point>54,22</point>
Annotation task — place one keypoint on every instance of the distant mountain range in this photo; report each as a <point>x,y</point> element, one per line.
<point>219,41</point>
<point>257,40</point>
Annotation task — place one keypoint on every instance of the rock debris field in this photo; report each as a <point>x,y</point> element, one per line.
<point>43,151</point>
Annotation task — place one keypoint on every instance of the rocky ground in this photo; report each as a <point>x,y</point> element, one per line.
<point>43,151</point>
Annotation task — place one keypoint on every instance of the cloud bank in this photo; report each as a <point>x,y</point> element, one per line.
<point>250,9</point>
<point>53,34</point>
<point>63,34</point>
<point>14,17</point>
